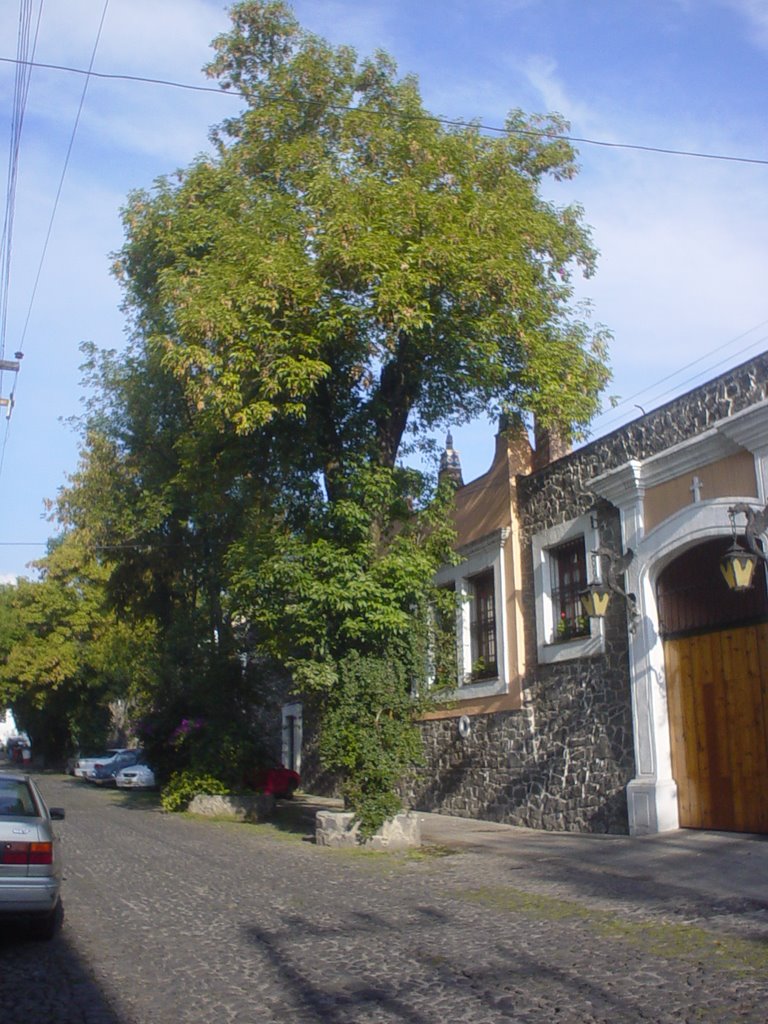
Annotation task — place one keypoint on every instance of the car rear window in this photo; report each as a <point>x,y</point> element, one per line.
<point>16,799</point>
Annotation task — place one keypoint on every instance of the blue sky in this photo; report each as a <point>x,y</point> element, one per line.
<point>683,240</point>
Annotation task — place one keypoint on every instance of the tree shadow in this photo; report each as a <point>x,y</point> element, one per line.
<point>49,981</point>
<point>436,965</point>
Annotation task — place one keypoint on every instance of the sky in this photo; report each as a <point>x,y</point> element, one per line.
<point>683,240</point>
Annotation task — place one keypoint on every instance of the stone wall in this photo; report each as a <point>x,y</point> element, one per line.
<point>560,763</point>
<point>563,762</point>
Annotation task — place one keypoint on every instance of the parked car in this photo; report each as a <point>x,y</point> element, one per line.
<point>137,776</point>
<point>18,750</point>
<point>280,781</point>
<point>84,764</point>
<point>103,772</point>
<point>30,864</point>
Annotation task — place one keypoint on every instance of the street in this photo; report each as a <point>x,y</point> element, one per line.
<point>175,920</point>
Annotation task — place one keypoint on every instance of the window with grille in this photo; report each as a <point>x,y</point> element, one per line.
<point>568,568</point>
<point>483,626</point>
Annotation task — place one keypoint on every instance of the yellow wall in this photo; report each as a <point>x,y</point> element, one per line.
<point>484,505</point>
<point>734,476</point>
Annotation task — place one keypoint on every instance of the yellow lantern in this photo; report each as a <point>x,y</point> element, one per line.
<point>738,567</point>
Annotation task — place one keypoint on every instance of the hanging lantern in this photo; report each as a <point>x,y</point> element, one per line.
<point>595,599</point>
<point>738,567</point>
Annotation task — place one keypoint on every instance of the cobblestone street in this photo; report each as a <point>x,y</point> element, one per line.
<point>174,919</point>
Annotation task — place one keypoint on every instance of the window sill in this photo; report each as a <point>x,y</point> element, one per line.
<point>560,640</point>
<point>471,689</point>
<point>570,650</point>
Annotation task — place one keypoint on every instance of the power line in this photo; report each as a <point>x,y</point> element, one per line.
<point>31,64</point>
<point>448,122</point>
<point>88,75</point>
<point>20,93</point>
<point>677,388</point>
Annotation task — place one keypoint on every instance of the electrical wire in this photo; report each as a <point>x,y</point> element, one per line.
<point>12,396</point>
<point>20,93</point>
<point>25,64</point>
<point>667,151</point>
<point>605,424</point>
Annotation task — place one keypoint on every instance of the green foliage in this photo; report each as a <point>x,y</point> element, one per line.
<point>349,607</point>
<point>64,654</point>
<point>183,787</point>
<point>207,744</point>
<point>369,735</point>
<point>351,265</point>
<point>354,577</point>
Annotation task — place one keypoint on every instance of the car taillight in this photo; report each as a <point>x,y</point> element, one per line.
<point>26,853</point>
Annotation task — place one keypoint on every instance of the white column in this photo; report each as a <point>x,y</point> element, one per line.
<point>652,793</point>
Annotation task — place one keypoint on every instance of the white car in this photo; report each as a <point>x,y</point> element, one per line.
<point>83,765</point>
<point>137,776</point>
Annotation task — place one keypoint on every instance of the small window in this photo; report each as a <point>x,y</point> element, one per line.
<point>568,567</point>
<point>470,620</point>
<point>483,626</point>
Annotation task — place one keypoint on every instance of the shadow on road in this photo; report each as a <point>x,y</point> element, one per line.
<point>48,981</point>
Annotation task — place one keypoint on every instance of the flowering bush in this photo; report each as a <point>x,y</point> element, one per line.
<point>185,728</point>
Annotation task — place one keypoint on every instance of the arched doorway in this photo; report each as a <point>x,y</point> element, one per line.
<point>716,662</point>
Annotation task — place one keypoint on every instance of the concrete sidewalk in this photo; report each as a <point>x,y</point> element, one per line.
<point>687,871</point>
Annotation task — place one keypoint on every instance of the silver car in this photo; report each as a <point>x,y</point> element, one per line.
<point>138,776</point>
<point>83,765</point>
<point>30,863</point>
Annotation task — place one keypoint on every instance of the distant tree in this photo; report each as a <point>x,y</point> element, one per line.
<point>64,656</point>
<point>344,276</point>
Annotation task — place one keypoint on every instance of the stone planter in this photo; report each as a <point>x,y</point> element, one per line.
<point>336,828</point>
<point>251,807</point>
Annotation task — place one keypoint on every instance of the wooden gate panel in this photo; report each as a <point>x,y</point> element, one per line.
<point>718,708</point>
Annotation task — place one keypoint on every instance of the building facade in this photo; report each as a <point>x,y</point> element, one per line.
<point>654,716</point>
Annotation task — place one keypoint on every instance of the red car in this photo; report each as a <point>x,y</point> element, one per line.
<point>280,782</point>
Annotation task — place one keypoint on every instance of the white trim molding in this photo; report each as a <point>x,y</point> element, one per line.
<point>543,543</point>
<point>485,553</point>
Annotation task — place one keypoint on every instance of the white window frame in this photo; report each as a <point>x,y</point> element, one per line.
<point>544,544</point>
<point>478,557</point>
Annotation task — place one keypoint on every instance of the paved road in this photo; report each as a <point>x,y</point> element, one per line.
<point>172,920</point>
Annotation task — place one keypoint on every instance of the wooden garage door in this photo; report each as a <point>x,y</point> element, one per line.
<point>719,727</point>
<point>716,658</point>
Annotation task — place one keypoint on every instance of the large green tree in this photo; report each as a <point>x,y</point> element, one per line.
<point>351,264</point>
<point>345,274</point>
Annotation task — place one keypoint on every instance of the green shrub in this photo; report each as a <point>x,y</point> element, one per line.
<point>182,787</point>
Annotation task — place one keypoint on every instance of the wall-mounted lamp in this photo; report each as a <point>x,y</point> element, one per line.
<point>595,599</point>
<point>737,564</point>
<point>597,596</point>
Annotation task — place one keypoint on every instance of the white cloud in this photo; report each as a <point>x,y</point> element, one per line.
<point>541,75</point>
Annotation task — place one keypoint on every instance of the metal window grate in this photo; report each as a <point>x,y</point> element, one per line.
<point>568,567</point>
<point>483,627</point>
